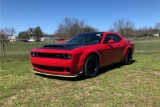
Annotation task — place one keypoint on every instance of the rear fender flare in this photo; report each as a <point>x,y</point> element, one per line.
<point>125,52</point>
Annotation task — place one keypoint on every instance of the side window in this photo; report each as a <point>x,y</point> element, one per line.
<point>108,37</point>
<point>117,38</point>
<point>114,37</point>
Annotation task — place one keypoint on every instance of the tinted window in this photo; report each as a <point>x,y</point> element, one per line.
<point>86,37</point>
<point>108,37</point>
<point>112,37</point>
<point>118,39</point>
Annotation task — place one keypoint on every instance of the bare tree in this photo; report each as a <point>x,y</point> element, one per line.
<point>7,33</point>
<point>125,28</point>
<point>145,31</point>
<point>111,30</point>
<point>157,26</point>
<point>88,29</point>
<point>69,27</point>
<point>139,33</point>
<point>5,36</point>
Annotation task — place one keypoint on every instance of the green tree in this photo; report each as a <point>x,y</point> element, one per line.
<point>24,35</point>
<point>30,31</point>
<point>35,32</point>
<point>38,33</point>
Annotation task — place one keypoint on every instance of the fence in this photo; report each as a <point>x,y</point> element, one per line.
<point>20,48</point>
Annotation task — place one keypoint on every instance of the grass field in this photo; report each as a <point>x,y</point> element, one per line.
<point>135,85</point>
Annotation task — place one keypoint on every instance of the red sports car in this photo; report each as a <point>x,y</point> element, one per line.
<point>83,54</point>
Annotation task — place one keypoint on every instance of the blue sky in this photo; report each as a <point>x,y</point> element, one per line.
<point>23,14</point>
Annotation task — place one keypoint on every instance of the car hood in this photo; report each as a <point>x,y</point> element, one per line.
<point>66,46</point>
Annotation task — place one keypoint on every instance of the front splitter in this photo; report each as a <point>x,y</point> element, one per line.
<point>56,75</point>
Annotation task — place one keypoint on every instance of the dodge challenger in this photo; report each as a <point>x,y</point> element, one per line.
<point>84,54</point>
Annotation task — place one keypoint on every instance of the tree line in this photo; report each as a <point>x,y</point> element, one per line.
<point>69,27</point>
<point>127,28</point>
<point>36,33</point>
<point>72,26</point>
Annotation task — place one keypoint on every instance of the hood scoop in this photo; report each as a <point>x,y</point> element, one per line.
<point>57,46</point>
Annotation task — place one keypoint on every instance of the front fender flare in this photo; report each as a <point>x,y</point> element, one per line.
<point>83,57</point>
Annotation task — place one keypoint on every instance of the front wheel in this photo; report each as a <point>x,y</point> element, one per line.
<point>91,66</point>
<point>128,58</point>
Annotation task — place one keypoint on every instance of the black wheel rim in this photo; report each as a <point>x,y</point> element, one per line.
<point>92,65</point>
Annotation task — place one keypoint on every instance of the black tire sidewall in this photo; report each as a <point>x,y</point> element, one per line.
<point>86,72</point>
<point>126,58</point>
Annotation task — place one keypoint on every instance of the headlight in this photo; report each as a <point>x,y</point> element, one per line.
<point>67,56</point>
<point>34,54</point>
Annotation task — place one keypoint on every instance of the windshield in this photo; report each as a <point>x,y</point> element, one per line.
<point>86,38</point>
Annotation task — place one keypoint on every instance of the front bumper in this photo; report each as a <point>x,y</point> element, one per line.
<point>49,64</point>
<point>57,66</point>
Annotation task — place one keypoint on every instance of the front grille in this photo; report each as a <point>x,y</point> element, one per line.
<point>46,55</point>
<point>49,68</point>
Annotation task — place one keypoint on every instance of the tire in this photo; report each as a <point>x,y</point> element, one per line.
<point>91,66</point>
<point>128,58</point>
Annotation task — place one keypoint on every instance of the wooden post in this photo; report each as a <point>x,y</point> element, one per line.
<point>3,50</point>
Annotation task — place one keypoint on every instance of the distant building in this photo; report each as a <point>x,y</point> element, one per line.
<point>156,35</point>
<point>12,38</point>
<point>42,39</point>
<point>32,39</point>
<point>47,38</point>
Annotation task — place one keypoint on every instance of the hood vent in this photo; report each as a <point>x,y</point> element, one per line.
<point>54,46</point>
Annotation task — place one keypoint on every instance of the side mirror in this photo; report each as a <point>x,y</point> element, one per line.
<point>111,41</point>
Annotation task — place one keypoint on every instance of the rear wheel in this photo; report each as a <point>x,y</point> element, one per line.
<point>91,66</point>
<point>128,58</point>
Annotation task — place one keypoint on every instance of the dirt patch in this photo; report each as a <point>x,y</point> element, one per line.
<point>155,72</point>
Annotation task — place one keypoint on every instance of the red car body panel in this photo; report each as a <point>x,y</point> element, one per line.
<point>106,53</point>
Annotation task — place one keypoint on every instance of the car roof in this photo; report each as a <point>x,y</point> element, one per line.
<point>101,32</point>
<point>93,32</point>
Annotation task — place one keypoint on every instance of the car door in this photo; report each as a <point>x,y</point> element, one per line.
<point>112,52</point>
<point>108,50</point>
<point>118,48</point>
